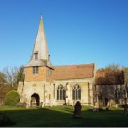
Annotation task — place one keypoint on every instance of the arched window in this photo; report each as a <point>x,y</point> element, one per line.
<point>60,93</point>
<point>76,92</point>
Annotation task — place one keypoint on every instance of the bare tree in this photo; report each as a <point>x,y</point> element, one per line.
<point>2,78</point>
<point>9,80</point>
<point>14,75</point>
<point>11,75</point>
<point>112,67</point>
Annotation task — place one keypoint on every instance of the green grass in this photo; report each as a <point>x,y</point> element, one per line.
<point>62,116</point>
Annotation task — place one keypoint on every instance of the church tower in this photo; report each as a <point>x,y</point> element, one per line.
<point>36,89</point>
<point>39,64</point>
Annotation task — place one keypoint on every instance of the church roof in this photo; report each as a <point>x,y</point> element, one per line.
<point>73,71</point>
<point>40,48</point>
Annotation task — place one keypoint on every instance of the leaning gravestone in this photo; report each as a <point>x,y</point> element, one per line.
<point>77,110</point>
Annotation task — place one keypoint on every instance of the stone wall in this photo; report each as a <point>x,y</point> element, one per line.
<point>86,90</point>
<point>43,89</point>
<point>48,92</point>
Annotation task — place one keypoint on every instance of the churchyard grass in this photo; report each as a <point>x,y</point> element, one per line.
<point>62,116</point>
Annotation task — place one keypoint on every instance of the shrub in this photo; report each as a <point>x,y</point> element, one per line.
<point>12,98</point>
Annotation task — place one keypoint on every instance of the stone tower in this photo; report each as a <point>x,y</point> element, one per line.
<point>40,58</point>
<point>37,72</point>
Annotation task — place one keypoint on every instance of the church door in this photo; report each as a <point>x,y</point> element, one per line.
<point>106,101</point>
<point>35,100</point>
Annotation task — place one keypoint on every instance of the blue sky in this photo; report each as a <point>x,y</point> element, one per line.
<point>77,31</point>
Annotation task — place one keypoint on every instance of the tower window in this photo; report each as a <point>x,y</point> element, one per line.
<point>36,56</point>
<point>35,70</point>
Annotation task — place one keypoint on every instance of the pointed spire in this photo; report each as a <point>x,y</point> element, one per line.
<point>41,17</point>
<point>40,55</point>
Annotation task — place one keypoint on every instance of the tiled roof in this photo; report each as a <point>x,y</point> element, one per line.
<point>73,72</point>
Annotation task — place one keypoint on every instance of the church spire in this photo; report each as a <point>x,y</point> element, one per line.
<point>40,55</point>
<point>41,17</point>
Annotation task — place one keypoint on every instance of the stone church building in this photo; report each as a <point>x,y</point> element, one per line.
<point>46,84</point>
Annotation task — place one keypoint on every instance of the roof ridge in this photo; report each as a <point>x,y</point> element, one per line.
<point>73,65</point>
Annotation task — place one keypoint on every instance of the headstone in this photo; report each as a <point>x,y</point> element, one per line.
<point>77,110</point>
<point>107,109</point>
<point>96,107</point>
<point>117,105</point>
<point>125,107</point>
<point>27,105</point>
<point>51,104</point>
<point>42,104</point>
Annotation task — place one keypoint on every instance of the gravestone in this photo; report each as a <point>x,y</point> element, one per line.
<point>125,107</point>
<point>96,107</point>
<point>42,104</point>
<point>77,110</point>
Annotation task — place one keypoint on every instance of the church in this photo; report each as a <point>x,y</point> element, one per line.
<point>47,85</point>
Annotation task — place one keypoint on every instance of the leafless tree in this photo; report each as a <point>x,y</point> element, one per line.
<point>14,75</point>
<point>11,75</point>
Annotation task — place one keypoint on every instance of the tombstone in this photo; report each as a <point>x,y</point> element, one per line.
<point>125,107</point>
<point>51,103</point>
<point>107,109</point>
<point>27,104</point>
<point>42,104</point>
<point>96,107</point>
<point>77,110</point>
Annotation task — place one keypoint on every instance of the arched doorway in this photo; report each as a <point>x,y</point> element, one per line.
<point>106,101</point>
<point>35,100</point>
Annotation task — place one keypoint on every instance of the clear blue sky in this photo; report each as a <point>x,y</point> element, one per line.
<point>77,31</point>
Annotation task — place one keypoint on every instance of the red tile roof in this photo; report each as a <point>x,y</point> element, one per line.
<point>73,72</point>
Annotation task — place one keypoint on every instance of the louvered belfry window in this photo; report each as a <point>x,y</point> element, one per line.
<point>35,70</point>
<point>36,56</point>
<point>60,93</point>
<point>76,92</point>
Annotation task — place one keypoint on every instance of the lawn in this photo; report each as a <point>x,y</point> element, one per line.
<point>62,116</point>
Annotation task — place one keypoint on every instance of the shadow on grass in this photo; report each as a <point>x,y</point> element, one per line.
<point>61,116</point>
